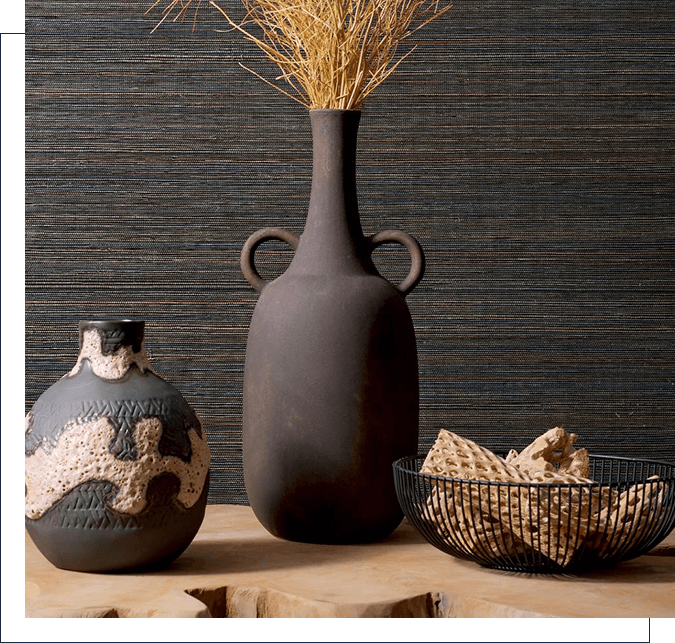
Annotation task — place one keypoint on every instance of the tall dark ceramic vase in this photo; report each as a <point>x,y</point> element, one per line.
<point>116,460</point>
<point>330,385</point>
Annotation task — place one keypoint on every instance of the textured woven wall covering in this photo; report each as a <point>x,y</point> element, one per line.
<point>528,145</point>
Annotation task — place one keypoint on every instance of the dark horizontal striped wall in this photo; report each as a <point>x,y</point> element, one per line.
<point>528,145</point>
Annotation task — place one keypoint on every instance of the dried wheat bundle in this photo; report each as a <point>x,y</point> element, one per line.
<point>332,53</point>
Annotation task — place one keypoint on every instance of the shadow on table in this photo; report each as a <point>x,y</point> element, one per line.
<point>644,569</point>
<point>267,553</point>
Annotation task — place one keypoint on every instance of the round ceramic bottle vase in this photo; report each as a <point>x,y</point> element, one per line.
<point>116,460</point>
<point>330,384</point>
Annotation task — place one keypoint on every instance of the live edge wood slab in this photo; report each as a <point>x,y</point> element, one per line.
<point>234,568</point>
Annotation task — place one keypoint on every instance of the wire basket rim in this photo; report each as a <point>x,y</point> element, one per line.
<point>399,465</point>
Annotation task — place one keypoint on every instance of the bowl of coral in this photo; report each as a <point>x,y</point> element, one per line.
<point>550,508</point>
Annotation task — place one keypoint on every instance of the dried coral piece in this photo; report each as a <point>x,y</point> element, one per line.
<point>616,526</point>
<point>560,517</point>
<point>453,456</point>
<point>511,507</point>
<point>553,520</point>
<point>468,524</point>
<point>578,464</point>
<point>540,502</point>
<point>456,457</point>
<point>553,453</point>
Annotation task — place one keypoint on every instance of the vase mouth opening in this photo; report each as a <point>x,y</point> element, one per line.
<point>121,332</point>
<point>346,116</point>
<point>109,324</point>
<point>334,110</point>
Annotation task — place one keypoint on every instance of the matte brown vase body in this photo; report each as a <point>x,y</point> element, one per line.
<point>331,385</point>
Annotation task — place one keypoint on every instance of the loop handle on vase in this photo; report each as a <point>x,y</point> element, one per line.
<point>247,252</point>
<point>416,254</point>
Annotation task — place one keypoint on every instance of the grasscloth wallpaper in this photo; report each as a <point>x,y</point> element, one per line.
<point>528,146</point>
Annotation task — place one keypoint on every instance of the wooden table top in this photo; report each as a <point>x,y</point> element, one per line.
<point>234,568</point>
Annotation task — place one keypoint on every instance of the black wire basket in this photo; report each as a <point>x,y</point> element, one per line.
<point>543,527</point>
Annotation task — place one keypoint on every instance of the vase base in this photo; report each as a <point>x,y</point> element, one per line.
<point>151,541</point>
<point>297,530</point>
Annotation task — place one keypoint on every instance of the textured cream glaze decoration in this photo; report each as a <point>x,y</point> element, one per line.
<point>82,455</point>
<point>112,366</point>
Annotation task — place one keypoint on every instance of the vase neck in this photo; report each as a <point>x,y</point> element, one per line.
<point>112,347</point>
<point>333,240</point>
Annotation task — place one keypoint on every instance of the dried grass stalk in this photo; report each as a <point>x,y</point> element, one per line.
<point>332,53</point>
